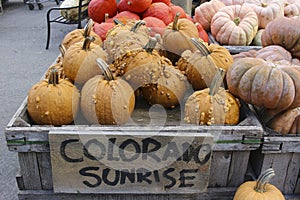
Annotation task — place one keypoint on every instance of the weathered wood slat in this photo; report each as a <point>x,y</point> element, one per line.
<point>45,170</point>
<point>238,168</point>
<point>290,183</point>
<point>30,171</point>
<point>219,169</point>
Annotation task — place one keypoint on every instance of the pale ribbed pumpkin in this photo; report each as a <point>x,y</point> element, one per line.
<point>106,99</point>
<point>291,8</point>
<point>234,25</point>
<point>53,101</point>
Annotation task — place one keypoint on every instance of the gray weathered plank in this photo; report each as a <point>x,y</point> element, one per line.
<point>290,183</point>
<point>30,171</point>
<point>219,169</point>
<point>45,170</point>
<point>238,168</point>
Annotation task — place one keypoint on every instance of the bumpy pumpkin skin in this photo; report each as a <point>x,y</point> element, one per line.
<point>234,25</point>
<point>266,10</point>
<point>284,32</point>
<point>80,65</point>
<point>50,104</point>
<point>107,102</point>
<point>204,109</point>
<point>205,12</point>
<point>246,192</point>
<point>264,83</point>
<point>169,90</point>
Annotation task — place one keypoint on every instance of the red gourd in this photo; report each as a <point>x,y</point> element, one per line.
<point>138,6</point>
<point>161,11</point>
<point>98,8</point>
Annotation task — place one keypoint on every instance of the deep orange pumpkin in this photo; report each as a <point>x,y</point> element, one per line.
<point>161,11</point>
<point>168,2</point>
<point>98,8</point>
<point>138,6</point>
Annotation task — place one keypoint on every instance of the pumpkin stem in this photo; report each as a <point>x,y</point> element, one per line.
<point>150,45</point>
<point>117,22</point>
<point>263,179</point>
<point>62,50</point>
<point>88,28</point>
<point>53,77</point>
<point>106,16</point>
<point>105,69</point>
<point>87,43</point>
<point>175,22</point>
<point>137,25</point>
<point>200,46</point>
<point>237,21</point>
<point>216,82</point>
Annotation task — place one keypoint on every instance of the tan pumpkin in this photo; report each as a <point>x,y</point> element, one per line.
<point>285,32</point>
<point>266,10</point>
<point>205,12</point>
<point>292,8</point>
<point>201,66</point>
<point>78,35</point>
<point>53,101</point>
<point>106,99</point>
<point>213,105</point>
<point>265,84</point>
<point>234,25</point>
<point>176,37</point>
<point>260,189</point>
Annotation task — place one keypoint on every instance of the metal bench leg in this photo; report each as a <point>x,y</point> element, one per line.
<point>48,30</point>
<point>1,8</point>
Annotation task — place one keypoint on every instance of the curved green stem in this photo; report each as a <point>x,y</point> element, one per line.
<point>137,25</point>
<point>150,45</point>
<point>263,179</point>
<point>53,77</point>
<point>62,50</point>
<point>175,22</point>
<point>216,82</point>
<point>117,22</point>
<point>200,46</point>
<point>87,43</point>
<point>237,21</point>
<point>88,28</point>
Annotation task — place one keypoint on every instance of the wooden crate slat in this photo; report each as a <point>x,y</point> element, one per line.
<point>219,168</point>
<point>45,170</point>
<point>30,170</point>
<point>238,168</point>
<point>290,183</point>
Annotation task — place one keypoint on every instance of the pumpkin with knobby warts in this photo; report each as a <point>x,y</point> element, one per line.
<point>78,35</point>
<point>260,189</point>
<point>79,61</point>
<point>285,32</point>
<point>125,38</point>
<point>98,8</point>
<point>106,99</point>
<point>138,6</point>
<point>161,11</point>
<point>53,101</point>
<point>266,10</point>
<point>200,66</point>
<point>213,105</point>
<point>271,85</point>
<point>286,122</point>
<point>205,12</point>
<point>234,25</point>
<point>291,8</point>
<point>102,28</point>
<point>176,37</point>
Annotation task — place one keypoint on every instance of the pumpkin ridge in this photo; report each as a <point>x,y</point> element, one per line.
<point>283,84</point>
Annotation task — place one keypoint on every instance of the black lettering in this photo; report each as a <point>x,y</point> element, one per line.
<point>183,177</point>
<point>63,154</point>
<point>111,144</point>
<point>150,152</point>
<point>84,172</point>
<point>142,175</point>
<point>171,151</point>
<point>102,150</point>
<point>129,175</point>
<point>190,152</point>
<point>206,150</point>
<point>105,175</point>
<point>172,179</point>
<point>124,145</point>
<point>156,176</point>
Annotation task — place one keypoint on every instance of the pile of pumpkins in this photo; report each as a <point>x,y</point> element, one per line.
<point>242,22</point>
<point>108,74</point>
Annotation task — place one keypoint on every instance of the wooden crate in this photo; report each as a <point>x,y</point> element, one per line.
<point>282,153</point>
<point>229,165</point>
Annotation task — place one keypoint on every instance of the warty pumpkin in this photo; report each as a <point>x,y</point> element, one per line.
<point>106,99</point>
<point>260,189</point>
<point>201,66</point>
<point>58,64</point>
<point>285,32</point>
<point>53,101</point>
<point>78,35</point>
<point>266,10</point>
<point>79,61</point>
<point>213,105</point>
<point>234,25</point>
<point>271,85</point>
